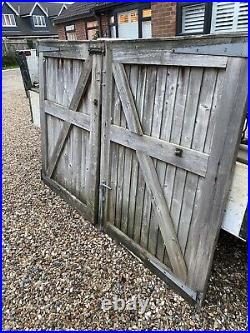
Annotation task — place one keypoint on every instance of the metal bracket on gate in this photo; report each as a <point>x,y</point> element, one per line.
<point>192,294</point>
<point>227,49</point>
<point>96,50</point>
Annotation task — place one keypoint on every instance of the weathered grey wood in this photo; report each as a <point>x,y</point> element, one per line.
<point>44,138</point>
<point>195,130</point>
<point>78,119</point>
<point>127,98</point>
<point>156,266</point>
<point>106,150</point>
<point>224,153</point>
<point>82,85</point>
<point>147,129</point>
<point>156,131</point>
<point>92,181</point>
<point>79,92</point>
<point>152,181</point>
<point>192,160</point>
<point>142,79</point>
<point>168,112</point>
<point>135,88</point>
<point>116,107</point>
<point>175,176</point>
<point>192,107</point>
<point>74,54</point>
<point>127,166</point>
<point>67,196</point>
<point>164,219</point>
<point>162,57</point>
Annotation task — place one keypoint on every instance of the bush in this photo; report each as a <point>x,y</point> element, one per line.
<point>9,61</point>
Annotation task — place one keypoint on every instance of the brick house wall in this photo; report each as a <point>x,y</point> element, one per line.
<point>104,23</point>
<point>61,31</point>
<point>80,29</point>
<point>163,19</point>
<point>163,22</point>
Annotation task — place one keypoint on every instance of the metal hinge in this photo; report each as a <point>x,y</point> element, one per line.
<point>96,50</point>
<point>227,49</point>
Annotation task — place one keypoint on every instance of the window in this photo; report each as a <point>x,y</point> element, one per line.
<point>132,22</point>
<point>39,21</point>
<point>229,17</point>
<point>146,23</point>
<point>193,18</point>
<point>70,32</point>
<point>112,27</point>
<point>211,17</point>
<point>8,20</point>
<point>92,30</point>
<point>128,24</point>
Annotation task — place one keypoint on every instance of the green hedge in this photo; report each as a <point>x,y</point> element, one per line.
<point>9,61</point>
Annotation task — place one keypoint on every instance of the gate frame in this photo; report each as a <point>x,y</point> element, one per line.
<point>203,45</point>
<point>83,50</point>
<point>227,158</point>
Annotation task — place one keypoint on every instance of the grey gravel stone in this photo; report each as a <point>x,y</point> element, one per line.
<point>58,268</point>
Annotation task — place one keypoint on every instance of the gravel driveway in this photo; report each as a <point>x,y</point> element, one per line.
<point>57,268</point>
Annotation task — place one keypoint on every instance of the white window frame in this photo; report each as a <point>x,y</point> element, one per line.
<point>12,20</point>
<point>234,19</point>
<point>39,21</point>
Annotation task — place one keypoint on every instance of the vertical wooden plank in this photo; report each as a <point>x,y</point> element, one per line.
<point>147,130</point>
<point>94,138</point>
<point>43,120</point>
<point>194,124</point>
<point>141,182</point>
<point>132,76</point>
<point>135,88</point>
<point>50,119</point>
<point>120,169</point>
<point>160,167</point>
<point>116,109</point>
<point>224,147</point>
<point>168,112</point>
<point>175,176</point>
<point>106,162</point>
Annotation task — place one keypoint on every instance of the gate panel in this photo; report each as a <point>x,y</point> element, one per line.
<point>165,128</point>
<point>70,113</point>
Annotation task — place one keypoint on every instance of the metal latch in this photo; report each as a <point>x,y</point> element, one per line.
<point>178,152</point>
<point>106,186</point>
<point>96,50</point>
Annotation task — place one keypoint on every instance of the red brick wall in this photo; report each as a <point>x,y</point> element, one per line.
<point>163,22</point>
<point>60,31</point>
<point>104,22</point>
<point>80,28</point>
<point>163,19</point>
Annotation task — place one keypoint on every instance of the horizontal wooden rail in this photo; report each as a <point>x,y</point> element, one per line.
<point>191,160</point>
<point>162,57</point>
<point>78,119</point>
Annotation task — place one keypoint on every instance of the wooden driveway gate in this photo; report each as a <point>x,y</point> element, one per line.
<point>168,141</point>
<point>70,88</point>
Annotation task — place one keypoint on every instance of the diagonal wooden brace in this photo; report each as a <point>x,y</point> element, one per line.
<point>150,175</point>
<point>81,89</point>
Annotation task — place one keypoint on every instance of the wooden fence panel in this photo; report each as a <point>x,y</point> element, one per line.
<point>166,121</point>
<point>71,118</point>
<point>157,132</point>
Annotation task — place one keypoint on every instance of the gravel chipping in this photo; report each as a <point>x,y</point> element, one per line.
<point>57,268</point>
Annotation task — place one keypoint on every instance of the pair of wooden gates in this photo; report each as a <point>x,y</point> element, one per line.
<point>142,139</point>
